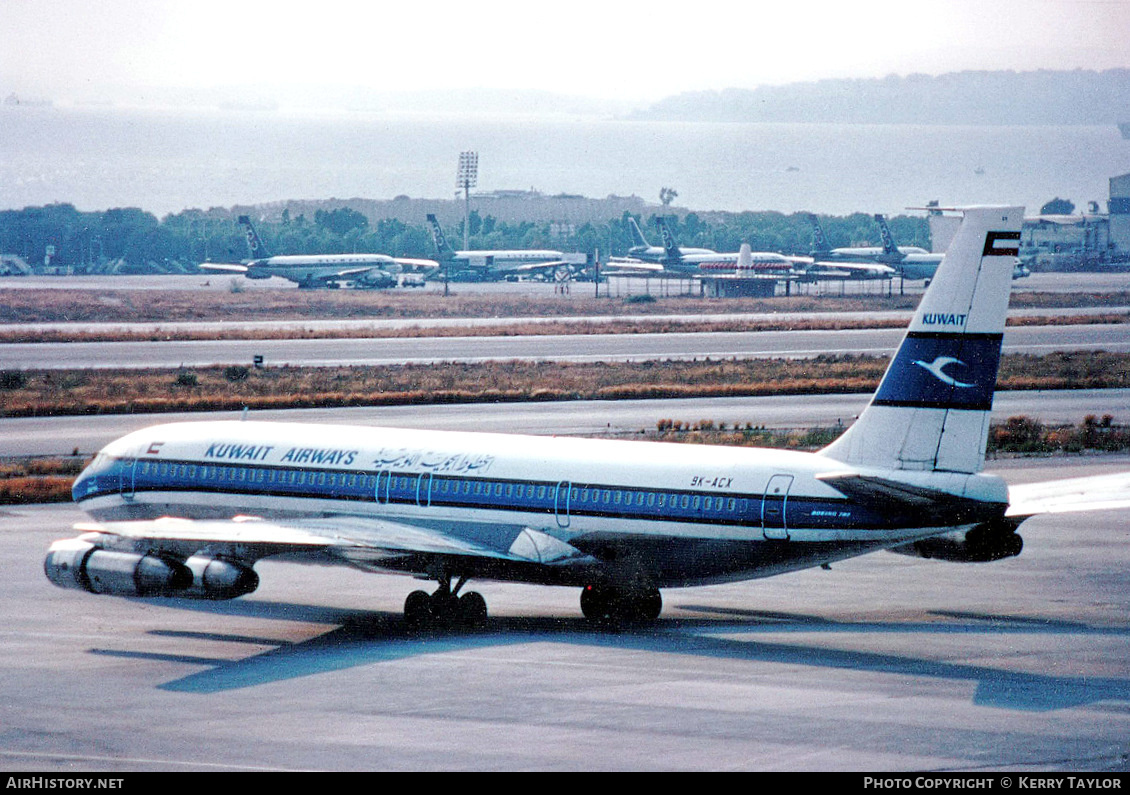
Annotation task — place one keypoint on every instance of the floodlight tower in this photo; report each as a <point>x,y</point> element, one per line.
<point>465,179</point>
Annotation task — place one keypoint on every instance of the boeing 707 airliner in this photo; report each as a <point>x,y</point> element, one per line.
<point>187,509</point>
<point>311,271</point>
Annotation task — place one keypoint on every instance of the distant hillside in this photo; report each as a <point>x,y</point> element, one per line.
<point>1043,97</point>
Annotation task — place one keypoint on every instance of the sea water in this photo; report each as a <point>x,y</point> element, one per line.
<point>165,161</point>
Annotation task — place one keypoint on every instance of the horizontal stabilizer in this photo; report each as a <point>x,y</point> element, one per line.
<point>884,493</point>
<point>1096,493</point>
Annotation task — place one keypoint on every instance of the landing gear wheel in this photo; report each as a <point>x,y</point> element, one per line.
<point>473,609</point>
<point>594,602</point>
<point>445,607</point>
<point>606,603</point>
<point>418,608</point>
<point>648,605</point>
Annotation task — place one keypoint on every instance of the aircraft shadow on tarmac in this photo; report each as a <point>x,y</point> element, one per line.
<point>365,638</point>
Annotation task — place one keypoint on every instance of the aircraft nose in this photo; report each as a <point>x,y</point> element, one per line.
<point>86,483</point>
<point>81,486</point>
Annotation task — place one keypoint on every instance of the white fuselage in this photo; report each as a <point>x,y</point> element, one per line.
<point>660,254</point>
<point>744,512</point>
<point>506,260</point>
<point>308,268</point>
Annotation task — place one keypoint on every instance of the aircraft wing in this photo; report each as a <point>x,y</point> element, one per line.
<point>224,267</point>
<point>369,272</point>
<point>349,273</point>
<point>850,270</point>
<point>1096,493</point>
<point>533,267</point>
<point>366,542</point>
<point>631,267</point>
<point>424,265</point>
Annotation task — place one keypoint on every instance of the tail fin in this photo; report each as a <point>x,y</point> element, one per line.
<point>670,247</point>
<point>637,234</point>
<point>819,242</point>
<point>889,247</point>
<point>931,411</point>
<point>254,243</point>
<point>745,259</point>
<point>442,248</point>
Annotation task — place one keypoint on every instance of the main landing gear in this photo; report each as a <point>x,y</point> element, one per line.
<point>609,603</point>
<point>445,607</point>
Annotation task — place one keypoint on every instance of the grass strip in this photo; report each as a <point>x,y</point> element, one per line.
<point>85,392</point>
<point>167,306</point>
<point>558,328</point>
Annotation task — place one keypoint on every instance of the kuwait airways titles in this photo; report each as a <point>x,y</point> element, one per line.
<point>400,458</point>
<point>943,319</point>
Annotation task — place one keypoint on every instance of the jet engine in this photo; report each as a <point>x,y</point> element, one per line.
<point>77,563</point>
<point>213,578</point>
<point>986,542</point>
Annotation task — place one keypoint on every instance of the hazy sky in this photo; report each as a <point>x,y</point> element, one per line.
<point>68,49</point>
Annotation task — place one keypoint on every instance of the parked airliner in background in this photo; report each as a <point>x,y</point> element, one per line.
<point>322,270</point>
<point>822,250</point>
<point>913,265</point>
<point>761,265</point>
<point>675,261</point>
<point>643,250</point>
<point>911,262</point>
<point>495,264</point>
<point>187,509</point>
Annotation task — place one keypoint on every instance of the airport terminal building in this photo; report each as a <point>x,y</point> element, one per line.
<point>1087,241</point>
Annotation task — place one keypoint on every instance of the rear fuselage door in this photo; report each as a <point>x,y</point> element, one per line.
<point>773,507</point>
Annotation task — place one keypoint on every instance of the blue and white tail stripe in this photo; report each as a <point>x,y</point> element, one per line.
<point>931,411</point>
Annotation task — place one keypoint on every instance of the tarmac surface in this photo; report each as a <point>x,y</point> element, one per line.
<point>883,663</point>
<point>549,347</point>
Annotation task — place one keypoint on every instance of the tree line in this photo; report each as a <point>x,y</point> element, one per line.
<point>132,240</point>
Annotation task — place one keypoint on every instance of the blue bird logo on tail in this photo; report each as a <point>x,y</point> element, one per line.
<point>937,367</point>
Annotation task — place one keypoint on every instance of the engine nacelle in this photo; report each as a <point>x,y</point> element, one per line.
<point>982,544</point>
<point>75,563</point>
<point>213,578</point>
